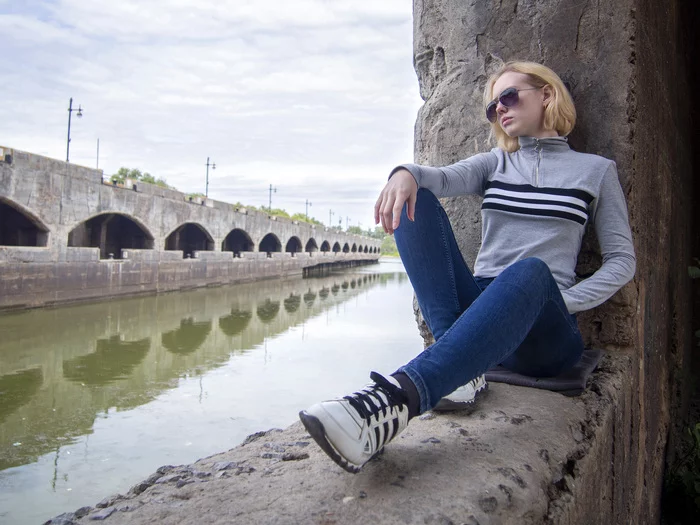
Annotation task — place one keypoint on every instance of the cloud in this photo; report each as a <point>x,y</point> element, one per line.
<point>318,97</point>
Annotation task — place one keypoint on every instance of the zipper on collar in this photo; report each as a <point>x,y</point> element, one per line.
<point>538,149</point>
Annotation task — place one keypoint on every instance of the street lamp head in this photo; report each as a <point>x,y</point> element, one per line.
<point>213,166</point>
<point>80,112</point>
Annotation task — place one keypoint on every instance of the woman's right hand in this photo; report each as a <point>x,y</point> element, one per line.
<point>400,189</point>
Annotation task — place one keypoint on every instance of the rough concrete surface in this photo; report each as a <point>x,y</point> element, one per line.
<point>514,460</point>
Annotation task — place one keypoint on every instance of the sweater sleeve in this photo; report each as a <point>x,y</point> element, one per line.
<point>466,176</point>
<point>615,238</point>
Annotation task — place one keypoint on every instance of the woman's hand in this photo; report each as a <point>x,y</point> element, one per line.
<point>400,189</point>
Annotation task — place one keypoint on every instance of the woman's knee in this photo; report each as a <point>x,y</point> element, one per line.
<point>531,268</point>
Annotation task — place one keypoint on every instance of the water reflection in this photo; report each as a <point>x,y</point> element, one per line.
<point>17,389</point>
<point>59,380</point>
<point>292,303</point>
<point>234,323</point>
<point>268,310</point>
<point>188,338</point>
<point>113,359</point>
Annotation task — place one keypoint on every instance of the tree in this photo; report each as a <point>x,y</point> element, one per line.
<point>136,174</point>
<point>356,230</point>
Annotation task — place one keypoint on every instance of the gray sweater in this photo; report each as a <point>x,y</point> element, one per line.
<point>537,202</point>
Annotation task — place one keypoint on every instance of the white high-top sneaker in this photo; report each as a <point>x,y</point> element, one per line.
<point>464,396</point>
<point>352,429</point>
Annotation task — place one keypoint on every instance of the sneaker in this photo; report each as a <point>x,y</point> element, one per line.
<point>353,429</point>
<point>464,397</point>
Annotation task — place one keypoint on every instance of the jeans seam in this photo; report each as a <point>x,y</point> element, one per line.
<point>448,252</point>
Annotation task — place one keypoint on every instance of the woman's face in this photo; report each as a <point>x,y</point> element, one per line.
<point>526,118</point>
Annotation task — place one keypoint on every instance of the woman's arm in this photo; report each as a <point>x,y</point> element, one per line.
<point>466,176</point>
<point>615,238</point>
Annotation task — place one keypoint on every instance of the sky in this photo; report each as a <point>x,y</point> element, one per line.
<point>316,97</point>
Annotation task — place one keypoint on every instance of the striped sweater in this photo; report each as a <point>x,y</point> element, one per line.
<point>537,203</point>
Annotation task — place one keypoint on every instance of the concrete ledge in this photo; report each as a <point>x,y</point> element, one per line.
<point>525,456</point>
<point>25,254</point>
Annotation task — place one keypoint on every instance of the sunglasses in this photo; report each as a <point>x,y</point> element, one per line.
<point>508,97</point>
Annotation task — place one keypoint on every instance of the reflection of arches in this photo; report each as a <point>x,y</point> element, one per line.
<point>354,248</point>
<point>292,303</point>
<point>323,293</point>
<point>268,310</point>
<point>237,241</point>
<point>17,389</point>
<point>112,360</point>
<point>293,245</point>
<point>111,233</point>
<point>325,246</point>
<point>235,323</point>
<point>346,248</point>
<point>188,338</point>
<point>19,227</point>
<point>334,289</point>
<point>270,243</point>
<point>344,286</point>
<point>336,247</point>
<point>309,298</point>
<point>311,246</point>
<point>189,237</point>
<point>353,284</point>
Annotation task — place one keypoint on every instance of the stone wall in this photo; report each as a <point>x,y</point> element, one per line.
<point>85,277</point>
<point>624,63</point>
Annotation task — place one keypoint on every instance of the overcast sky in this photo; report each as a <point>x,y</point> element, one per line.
<point>317,97</point>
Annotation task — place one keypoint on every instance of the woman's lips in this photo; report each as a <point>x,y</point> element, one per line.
<point>506,121</point>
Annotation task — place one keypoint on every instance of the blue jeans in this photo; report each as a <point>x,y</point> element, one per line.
<point>517,319</point>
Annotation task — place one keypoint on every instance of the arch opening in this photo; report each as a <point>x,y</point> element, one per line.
<point>311,246</point>
<point>111,233</point>
<point>270,243</point>
<point>325,246</point>
<point>293,245</point>
<point>189,237</point>
<point>336,247</point>
<point>237,241</point>
<point>20,229</point>
<point>346,248</point>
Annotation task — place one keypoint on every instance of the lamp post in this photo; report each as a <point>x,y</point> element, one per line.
<point>269,206</point>
<point>307,209</point>
<point>347,220</point>
<point>330,218</point>
<point>79,114</point>
<point>206,189</point>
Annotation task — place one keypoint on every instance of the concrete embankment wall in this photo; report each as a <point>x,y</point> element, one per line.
<point>86,277</point>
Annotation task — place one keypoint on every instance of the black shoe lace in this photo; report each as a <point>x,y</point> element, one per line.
<point>369,397</point>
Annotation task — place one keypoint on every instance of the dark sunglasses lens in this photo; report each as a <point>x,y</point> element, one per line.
<point>491,112</point>
<point>509,97</point>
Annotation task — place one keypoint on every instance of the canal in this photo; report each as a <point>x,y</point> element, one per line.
<point>95,397</point>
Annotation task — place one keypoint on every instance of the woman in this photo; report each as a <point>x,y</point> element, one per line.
<point>518,308</point>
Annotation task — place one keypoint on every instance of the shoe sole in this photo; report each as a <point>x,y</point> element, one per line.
<point>315,428</point>
<point>447,405</point>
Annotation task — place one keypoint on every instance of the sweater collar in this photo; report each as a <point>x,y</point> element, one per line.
<point>552,144</point>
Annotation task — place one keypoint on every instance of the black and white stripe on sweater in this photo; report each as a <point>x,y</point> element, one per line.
<point>571,204</point>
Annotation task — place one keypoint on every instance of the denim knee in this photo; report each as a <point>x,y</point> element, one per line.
<point>531,269</point>
<point>425,198</point>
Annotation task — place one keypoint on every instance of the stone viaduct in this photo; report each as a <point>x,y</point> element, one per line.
<point>66,235</point>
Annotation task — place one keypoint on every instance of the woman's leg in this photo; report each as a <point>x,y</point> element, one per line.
<point>443,284</point>
<point>521,310</point>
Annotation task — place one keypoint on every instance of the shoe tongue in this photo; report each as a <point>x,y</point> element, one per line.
<point>390,384</point>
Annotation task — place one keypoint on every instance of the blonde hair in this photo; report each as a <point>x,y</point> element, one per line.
<point>560,113</point>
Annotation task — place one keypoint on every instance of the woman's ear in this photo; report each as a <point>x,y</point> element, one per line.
<point>548,93</point>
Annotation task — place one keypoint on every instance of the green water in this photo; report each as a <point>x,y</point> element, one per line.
<point>95,397</point>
